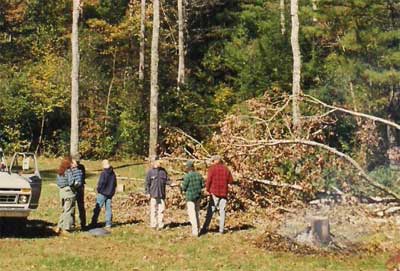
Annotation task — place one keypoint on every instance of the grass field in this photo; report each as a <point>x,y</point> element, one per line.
<point>136,247</point>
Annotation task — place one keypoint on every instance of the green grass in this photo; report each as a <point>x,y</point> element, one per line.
<point>136,247</point>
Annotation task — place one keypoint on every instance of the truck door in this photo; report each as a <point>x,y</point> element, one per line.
<point>25,164</point>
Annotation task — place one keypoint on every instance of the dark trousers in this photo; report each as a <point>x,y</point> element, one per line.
<point>80,201</point>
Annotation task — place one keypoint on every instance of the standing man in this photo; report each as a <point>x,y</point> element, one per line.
<point>156,181</point>
<point>106,190</point>
<point>218,178</point>
<point>192,185</point>
<point>80,191</point>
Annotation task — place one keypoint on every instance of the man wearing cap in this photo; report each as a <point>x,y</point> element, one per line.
<point>192,185</point>
<point>218,178</point>
<point>156,181</point>
<point>106,190</point>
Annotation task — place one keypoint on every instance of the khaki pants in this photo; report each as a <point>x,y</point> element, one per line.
<point>67,197</point>
<point>193,208</point>
<point>157,207</point>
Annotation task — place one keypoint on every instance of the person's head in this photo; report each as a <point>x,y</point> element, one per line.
<point>76,158</point>
<point>74,163</point>
<point>65,164</point>
<point>189,165</point>
<point>216,159</point>
<point>106,164</point>
<point>156,163</point>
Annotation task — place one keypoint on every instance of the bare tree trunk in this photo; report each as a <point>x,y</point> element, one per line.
<point>41,133</point>
<point>296,65</point>
<point>181,41</point>
<point>75,80</point>
<point>283,20</point>
<point>142,40</point>
<point>154,81</point>
<point>110,88</point>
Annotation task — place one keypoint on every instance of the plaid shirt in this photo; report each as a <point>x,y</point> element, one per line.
<point>218,178</point>
<point>192,184</point>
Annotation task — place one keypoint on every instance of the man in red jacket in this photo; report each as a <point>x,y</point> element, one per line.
<point>218,178</point>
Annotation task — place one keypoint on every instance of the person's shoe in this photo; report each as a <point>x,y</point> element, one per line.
<point>91,226</point>
<point>108,227</point>
<point>57,230</point>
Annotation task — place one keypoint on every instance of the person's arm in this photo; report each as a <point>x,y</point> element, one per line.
<point>230,178</point>
<point>185,184</point>
<point>209,180</point>
<point>114,182</point>
<point>147,183</point>
<point>70,177</point>
<point>167,179</point>
<point>101,182</point>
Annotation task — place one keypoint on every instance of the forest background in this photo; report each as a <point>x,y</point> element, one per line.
<point>235,50</point>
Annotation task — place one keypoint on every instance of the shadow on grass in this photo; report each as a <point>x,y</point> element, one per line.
<point>237,228</point>
<point>173,225</point>
<point>12,228</point>
<point>117,224</point>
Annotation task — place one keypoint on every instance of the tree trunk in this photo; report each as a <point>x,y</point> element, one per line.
<point>181,43</point>
<point>110,88</point>
<point>41,133</point>
<point>142,40</point>
<point>75,80</point>
<point>283,20</point>
<point>154,81</point>
<point>296,65</point>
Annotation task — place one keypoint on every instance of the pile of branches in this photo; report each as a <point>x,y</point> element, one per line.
<point>273,165</point>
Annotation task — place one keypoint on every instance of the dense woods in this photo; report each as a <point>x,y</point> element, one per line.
<point>213,56</point>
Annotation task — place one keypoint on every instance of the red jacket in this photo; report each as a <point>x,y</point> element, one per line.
<point>218,178</point>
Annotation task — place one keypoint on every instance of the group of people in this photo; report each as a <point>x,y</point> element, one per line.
<point>216,185</point>
<point>71,178</point>
<point>71,181</point>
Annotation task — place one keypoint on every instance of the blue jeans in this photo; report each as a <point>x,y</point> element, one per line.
<point>100,201</point>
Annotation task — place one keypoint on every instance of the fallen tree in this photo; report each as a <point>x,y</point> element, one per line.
<point>271,165</point>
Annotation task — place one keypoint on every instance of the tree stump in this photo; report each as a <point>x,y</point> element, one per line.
<point>320,230</point>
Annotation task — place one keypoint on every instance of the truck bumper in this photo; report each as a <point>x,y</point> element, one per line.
<point>14,213</point>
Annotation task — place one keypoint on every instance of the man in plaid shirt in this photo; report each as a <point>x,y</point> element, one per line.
<point>192,185</point>
<point>218,178</point>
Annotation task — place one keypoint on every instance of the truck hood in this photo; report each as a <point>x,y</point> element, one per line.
<point>13,181</point>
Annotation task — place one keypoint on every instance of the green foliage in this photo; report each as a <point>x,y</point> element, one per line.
<point>235,51</point>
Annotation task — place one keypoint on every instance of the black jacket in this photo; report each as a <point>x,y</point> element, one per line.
<point>156,180</point>
<point>107,183</point>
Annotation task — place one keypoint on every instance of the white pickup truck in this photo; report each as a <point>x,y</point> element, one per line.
<point>20,185</point>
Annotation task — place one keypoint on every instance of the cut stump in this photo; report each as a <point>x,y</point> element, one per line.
<point>320,230</point>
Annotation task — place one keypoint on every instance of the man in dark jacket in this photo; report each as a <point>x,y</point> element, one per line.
<point>156,180</point>
<point>106,190</point>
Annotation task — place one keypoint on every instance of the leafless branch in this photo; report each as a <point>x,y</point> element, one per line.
<point>344,156</point>
<point>354,113</point>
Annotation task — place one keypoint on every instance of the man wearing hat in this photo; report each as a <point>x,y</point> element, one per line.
<point>218,178</point>
<point>192,185</point>
<point>105,192</point>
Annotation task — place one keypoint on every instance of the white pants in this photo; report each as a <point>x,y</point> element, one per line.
<point>193,208</point>
<point>157,207</point>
